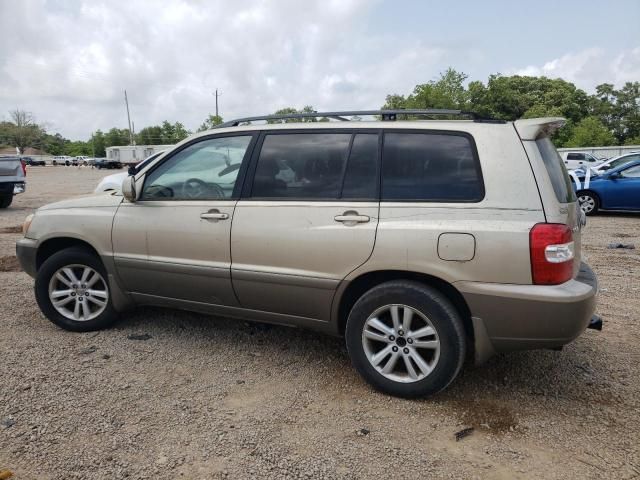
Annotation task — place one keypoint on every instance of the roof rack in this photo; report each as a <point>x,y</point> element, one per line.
<point>386,115</point>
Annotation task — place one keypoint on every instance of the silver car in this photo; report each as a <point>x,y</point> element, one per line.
<point>406,237</point>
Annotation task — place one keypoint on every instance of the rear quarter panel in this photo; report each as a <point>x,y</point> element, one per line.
<point>407,236</point>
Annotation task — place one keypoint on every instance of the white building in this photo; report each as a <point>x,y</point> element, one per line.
<point>133,153</point>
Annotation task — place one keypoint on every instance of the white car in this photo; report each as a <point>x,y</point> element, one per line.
<point>575,160</point>
<point>613,163</point>
<point>113,183</point>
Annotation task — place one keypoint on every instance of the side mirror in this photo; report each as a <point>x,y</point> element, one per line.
<point>129,189</point>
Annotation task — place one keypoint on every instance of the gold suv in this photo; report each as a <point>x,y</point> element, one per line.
<point>422,241</point>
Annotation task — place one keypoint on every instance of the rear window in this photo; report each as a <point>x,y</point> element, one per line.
<point>556,170</point>
<point>432,167</point>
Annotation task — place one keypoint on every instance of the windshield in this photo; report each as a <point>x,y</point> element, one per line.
<point>622,160</point>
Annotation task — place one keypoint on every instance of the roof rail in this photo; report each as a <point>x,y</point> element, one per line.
<point>386,115</point>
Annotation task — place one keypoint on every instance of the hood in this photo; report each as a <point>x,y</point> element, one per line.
<point>89,201</point>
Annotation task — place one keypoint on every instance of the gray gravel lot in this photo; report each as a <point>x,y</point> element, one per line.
<point>207,397</point>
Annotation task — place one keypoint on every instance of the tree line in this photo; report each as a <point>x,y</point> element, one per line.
<point>610,116</point>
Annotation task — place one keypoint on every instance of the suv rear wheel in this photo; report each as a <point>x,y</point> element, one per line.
<point>406,339</point>
<point>73,292</point>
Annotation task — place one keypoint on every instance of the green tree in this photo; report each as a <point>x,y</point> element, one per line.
<point>590,132</point>
<point>98,144</point>
<point>116,137</point>
<point>150,135</point>
<point>210,122</point>
<point>293,110</point>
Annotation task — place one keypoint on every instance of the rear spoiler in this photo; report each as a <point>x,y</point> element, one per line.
<point>532,128</point>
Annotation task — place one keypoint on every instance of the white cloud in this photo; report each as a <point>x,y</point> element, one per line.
<point>69,63</point>
<point>590,67</point>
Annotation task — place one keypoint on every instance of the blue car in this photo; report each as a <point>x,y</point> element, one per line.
<point>616,189</point>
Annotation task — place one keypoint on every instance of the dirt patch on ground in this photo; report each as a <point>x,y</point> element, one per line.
<point>9,264</point>
<point>486,415</point>
<point>14,229</point>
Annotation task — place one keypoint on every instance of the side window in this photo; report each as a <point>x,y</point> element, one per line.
<point>430,167</point>
<point>632,172</point>
<point>206,170</point>
<point>301,165</point>
<point>575,156</point>
<point>361,178</point>
<point>591,158</point>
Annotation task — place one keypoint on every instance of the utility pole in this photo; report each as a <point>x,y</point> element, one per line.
<point>126,101</point>
<point>217,95</point>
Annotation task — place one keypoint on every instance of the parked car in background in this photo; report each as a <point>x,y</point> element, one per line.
<point>609,164</point>
<point>81,160</point>
<point>33,162</point>
<point>573,160</point>
<point>106,163</point>
<point>13,174</point>
<point>113,182</point>
<point>62,160</point>
<point>615,189</point>
<point>406,237</point>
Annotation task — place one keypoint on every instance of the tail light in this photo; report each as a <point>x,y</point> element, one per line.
<point>24,167</point>
<point>552,253</point>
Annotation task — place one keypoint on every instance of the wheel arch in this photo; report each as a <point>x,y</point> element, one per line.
<point>54,245</point>
<point>354,289</point>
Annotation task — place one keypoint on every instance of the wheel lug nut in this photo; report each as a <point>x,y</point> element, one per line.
<point>392,338</point>
<point>409,340</point>
<point>401,332</point>
<point>406,351</point>
<point>395,349</point>
<point>73,294</point>
<point>80,298</point>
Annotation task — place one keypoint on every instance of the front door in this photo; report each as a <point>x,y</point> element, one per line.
<point>307,218</point>
<point>623,192</point>
<point>173,243</point>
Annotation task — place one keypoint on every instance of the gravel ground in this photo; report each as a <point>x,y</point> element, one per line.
<point>169,394</point>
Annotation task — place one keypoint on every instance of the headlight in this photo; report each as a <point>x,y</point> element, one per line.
<point>27,224</point>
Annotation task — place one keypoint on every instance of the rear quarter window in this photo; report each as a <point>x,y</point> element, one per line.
<point>557,172</point>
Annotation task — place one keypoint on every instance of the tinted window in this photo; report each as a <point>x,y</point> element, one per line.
<point>361,179</point>
<point>301,165</point>
<point>431,167</point>
<point>575,156</point>
<point>556,170</point>
<point>623,160</point>
<point>206,170</point>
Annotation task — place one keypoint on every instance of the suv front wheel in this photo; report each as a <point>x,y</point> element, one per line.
<point>406,339</point>
<point>73,292</point>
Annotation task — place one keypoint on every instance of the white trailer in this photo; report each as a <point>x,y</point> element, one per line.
<point>132,154</point>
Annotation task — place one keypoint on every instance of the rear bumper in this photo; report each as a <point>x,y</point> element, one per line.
<point>522,317</point>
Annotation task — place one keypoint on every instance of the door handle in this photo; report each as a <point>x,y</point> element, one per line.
<point>351,217</point>
<point>214,214</point>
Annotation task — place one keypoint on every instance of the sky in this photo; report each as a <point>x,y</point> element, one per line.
<point>69,62</point>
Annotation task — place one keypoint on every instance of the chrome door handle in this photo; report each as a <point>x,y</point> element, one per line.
<point>214,215</point>
<point>352,217</point>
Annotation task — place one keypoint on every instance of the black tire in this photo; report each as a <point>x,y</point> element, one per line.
<point>441,313</point>
<point>589,202</point>
<point>6,201</point>
<point>71,256</point>
<point>67,163</point>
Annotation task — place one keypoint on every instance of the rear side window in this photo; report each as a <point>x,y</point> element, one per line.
<point>433,167</point>
<point>575,156</point>
<point>317,166</point>
<point>556,170</point>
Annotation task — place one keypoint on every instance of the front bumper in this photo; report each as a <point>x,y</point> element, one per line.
<point>522,317</point>
<point>26,249</point>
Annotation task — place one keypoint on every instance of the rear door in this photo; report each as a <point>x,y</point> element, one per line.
<point>307,218</point>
